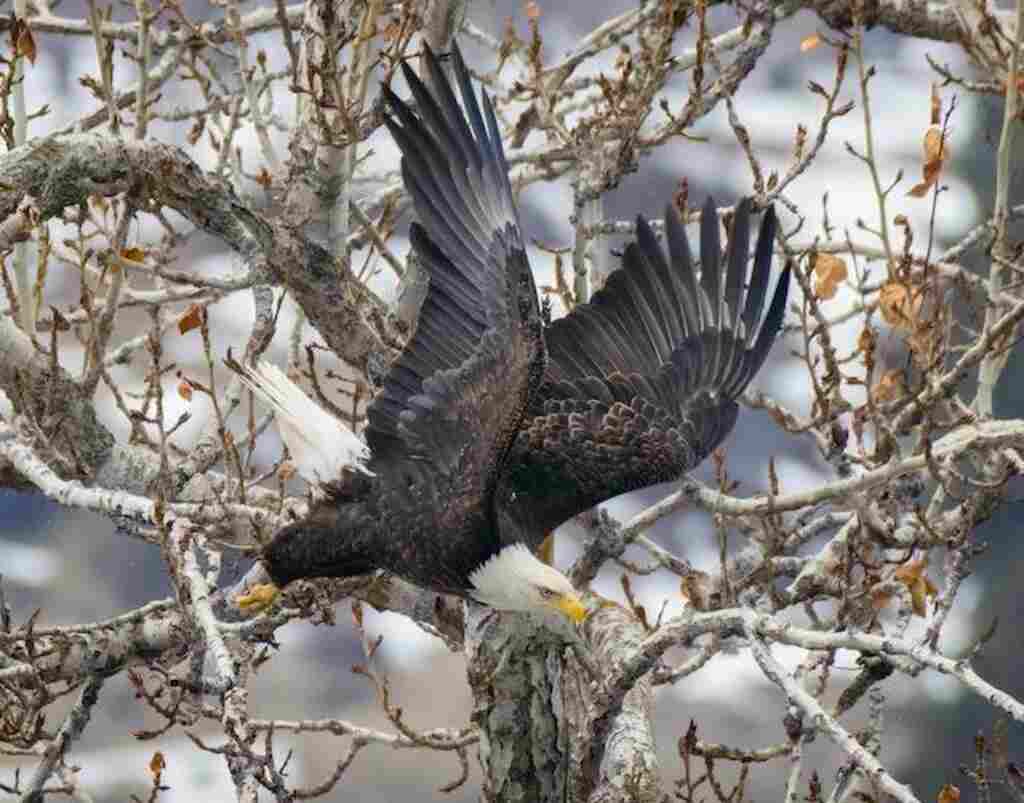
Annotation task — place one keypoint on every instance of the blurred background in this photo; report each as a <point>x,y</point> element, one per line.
<point>74,567</point>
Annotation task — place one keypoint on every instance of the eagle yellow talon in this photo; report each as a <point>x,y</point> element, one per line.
<point>258,599</point>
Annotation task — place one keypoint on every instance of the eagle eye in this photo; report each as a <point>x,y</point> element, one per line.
<point>547,593</point>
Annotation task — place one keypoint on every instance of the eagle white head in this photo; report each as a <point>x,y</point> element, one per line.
<point>516,580</point>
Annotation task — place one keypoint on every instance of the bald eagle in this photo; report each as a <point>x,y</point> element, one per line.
<point>492,428</point>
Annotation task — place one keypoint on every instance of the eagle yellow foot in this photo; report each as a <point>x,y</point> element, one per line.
<point>259,598</point>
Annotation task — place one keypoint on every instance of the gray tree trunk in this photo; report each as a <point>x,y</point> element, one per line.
<point>548,730</point>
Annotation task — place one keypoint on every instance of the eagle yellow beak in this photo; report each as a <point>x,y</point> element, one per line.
<point>258,599</point>
<point>570,605</point>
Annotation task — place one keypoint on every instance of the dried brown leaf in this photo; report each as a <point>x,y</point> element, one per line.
<point>936,154</point>
<point>949,794</point>
<point>24,41</point>
<point>913,576</point>
<point>890,387</point>
<point>900,304</point>
<point>192,319</point>
<point>134,254</point>
<point>829,272</point>
<point>696,589</point>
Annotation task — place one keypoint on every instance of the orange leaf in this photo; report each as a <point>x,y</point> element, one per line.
<point>25,43</point>
<point>949,794</point>
<point>900,304</point>
<point>880,598</point>
<point>192,319</point>
<point>912,575</point>
<point>889,387</point>
<point>809,42</point>
<point>134,254</point>
<point>185,389</point>
<point>157,764</point>
<point>866,341</point>
<point>936,154</point>
<point>829,272</point>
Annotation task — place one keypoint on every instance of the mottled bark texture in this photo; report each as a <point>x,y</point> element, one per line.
<point>548,730</point>
<point>70,169</point>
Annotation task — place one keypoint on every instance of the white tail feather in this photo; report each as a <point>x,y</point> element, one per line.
<point>320,444</point>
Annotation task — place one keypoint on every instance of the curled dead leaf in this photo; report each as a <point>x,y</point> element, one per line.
<point>829,272</point>
<point>889,388</point>
<point>949,794</point>
<point>866,342</point>
<point>936,154</point>
<point>24,41</point>
<point>923,344</point>
<point>157,764</point>
<point>696,589</point>
<point>185,390</point>
<point>913,576</point>
<point>900,304</point>
<point>192,319</point>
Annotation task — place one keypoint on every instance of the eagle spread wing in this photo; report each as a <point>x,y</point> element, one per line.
<point>642,381</point>
<point>453,401</point>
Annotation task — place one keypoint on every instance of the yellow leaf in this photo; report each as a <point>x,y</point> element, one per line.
<point>949,794</point>
<point>157,764</point>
